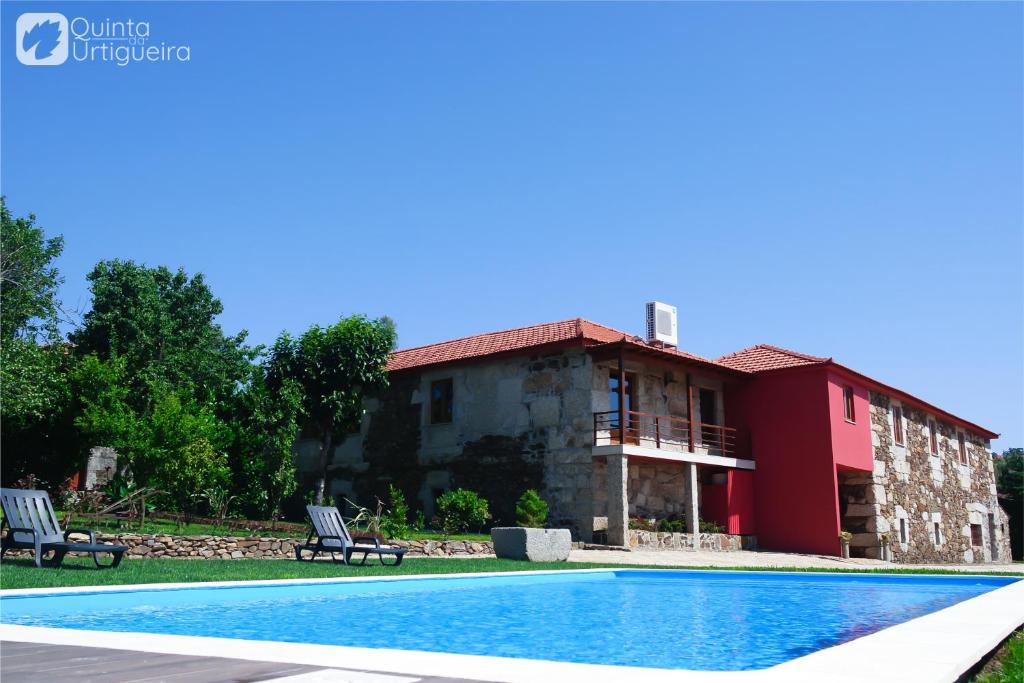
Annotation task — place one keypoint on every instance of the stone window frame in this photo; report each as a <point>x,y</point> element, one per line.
<point>936,534</point>
<point>901,441</point>
<point>962,454</point>
<point>432,417</point>
<point>934,447</point>
<point>977,540</point>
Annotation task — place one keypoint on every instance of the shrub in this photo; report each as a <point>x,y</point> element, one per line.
<point>420,522</point>
<point>396,520</point>
<point>460,509</point>
<point>708,527</point>
<point>531,510</point>
<point>676,526</point>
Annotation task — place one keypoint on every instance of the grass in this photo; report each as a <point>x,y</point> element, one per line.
<point>79,571</point>
<point>1007,665</point>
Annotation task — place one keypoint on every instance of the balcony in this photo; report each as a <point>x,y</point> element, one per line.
<point>668,437</point>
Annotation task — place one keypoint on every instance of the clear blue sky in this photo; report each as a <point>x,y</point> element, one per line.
<point>841,179</point>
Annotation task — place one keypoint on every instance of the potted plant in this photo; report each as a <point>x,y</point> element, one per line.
<point>530,541</point>
<point>844,541</point>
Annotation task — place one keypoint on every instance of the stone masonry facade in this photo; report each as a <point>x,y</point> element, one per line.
<point>928,508</point>
<point>518,423</point>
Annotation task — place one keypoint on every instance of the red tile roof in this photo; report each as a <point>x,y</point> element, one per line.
<point>764,357</point>
<point>562,331</point>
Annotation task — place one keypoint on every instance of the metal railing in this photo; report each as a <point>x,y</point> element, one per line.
<point>663,431</point>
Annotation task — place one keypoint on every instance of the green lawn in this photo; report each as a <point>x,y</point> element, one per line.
<point>79,571</point>
<point>1007,666</point>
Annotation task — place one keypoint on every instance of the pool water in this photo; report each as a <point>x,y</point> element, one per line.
<point>668,619</point>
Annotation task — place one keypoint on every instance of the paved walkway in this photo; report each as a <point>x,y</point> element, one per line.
<point>34,663</point>
<point>752,558</point>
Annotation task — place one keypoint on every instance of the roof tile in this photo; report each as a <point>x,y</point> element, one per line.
<point>764,357</point>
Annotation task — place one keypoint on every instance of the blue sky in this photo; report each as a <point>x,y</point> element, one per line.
<point>841,179</point>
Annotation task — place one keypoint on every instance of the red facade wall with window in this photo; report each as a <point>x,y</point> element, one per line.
<point>851,441</point>
<point>789,417</point>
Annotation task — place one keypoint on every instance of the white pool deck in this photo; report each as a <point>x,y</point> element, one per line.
<point>937,647</point>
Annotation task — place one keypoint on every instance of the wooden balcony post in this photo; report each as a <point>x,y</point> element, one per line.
<point>689,412</point>
<point>622,396</point>
<point>657,433</point>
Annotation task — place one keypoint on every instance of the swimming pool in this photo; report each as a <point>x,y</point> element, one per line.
<point>712,621</point>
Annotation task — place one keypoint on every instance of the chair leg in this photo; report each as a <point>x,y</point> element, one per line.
<point>58,558</point>
<point>398,560</point>
<point>116,560</point>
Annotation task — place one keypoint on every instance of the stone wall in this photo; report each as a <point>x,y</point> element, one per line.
<point>924,490</point>
<point>662,540</point>
<point>150,546</point>
<point>518,422</point>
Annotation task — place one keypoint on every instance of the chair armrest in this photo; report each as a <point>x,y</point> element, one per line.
<point>376,541</point>
<point>86,532</point>
<point>20,530</point>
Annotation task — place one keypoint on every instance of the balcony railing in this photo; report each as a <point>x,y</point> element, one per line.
<point>664,431</point>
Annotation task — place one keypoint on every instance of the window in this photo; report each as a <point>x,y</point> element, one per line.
<point>903,530</point>
<point>848,404</point>
<point>933,437</point>
<point>897,425</point>
<point>961,443</point>
<point>938,533</point>
<point>441,394</point>
<point>976,539</point>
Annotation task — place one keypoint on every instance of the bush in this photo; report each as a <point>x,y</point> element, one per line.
<point>396,520</point>
<point>531,510</point>
<point>460,509</point>
<point>707,527</point>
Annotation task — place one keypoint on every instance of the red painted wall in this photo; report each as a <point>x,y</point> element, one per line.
<point>851,442</point>
<point>795,500</point>
<point>730,504</point>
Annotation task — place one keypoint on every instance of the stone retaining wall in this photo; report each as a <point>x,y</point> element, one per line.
<point>663,540</point>
<point>235,548</point>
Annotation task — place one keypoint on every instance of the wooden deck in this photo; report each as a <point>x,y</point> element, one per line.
<point>34,663</point>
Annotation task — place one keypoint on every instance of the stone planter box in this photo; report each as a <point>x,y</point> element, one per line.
<point>535,545</point>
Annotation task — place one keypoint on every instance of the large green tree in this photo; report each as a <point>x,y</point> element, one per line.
<point>178,447</point>
<point>162,325</point>
<point>28,278</point>
<point>36,435</point>
<point>1010,485</point>
<point>335,366</point>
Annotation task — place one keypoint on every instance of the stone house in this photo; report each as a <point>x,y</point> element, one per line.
<point>610,427</point>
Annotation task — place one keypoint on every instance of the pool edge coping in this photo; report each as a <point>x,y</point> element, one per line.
<point>939,646</point>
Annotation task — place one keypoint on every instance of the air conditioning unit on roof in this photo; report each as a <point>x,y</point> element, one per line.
<point>662,323</point>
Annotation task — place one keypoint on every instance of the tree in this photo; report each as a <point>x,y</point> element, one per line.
<point>1010,485</point>
<point>266,425</point>
<point>162,327</point>
<point>28,278</point>
<point>334,366</point>
<point>37,435</point>
<point>531,510</point>
<point>178,447</point>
